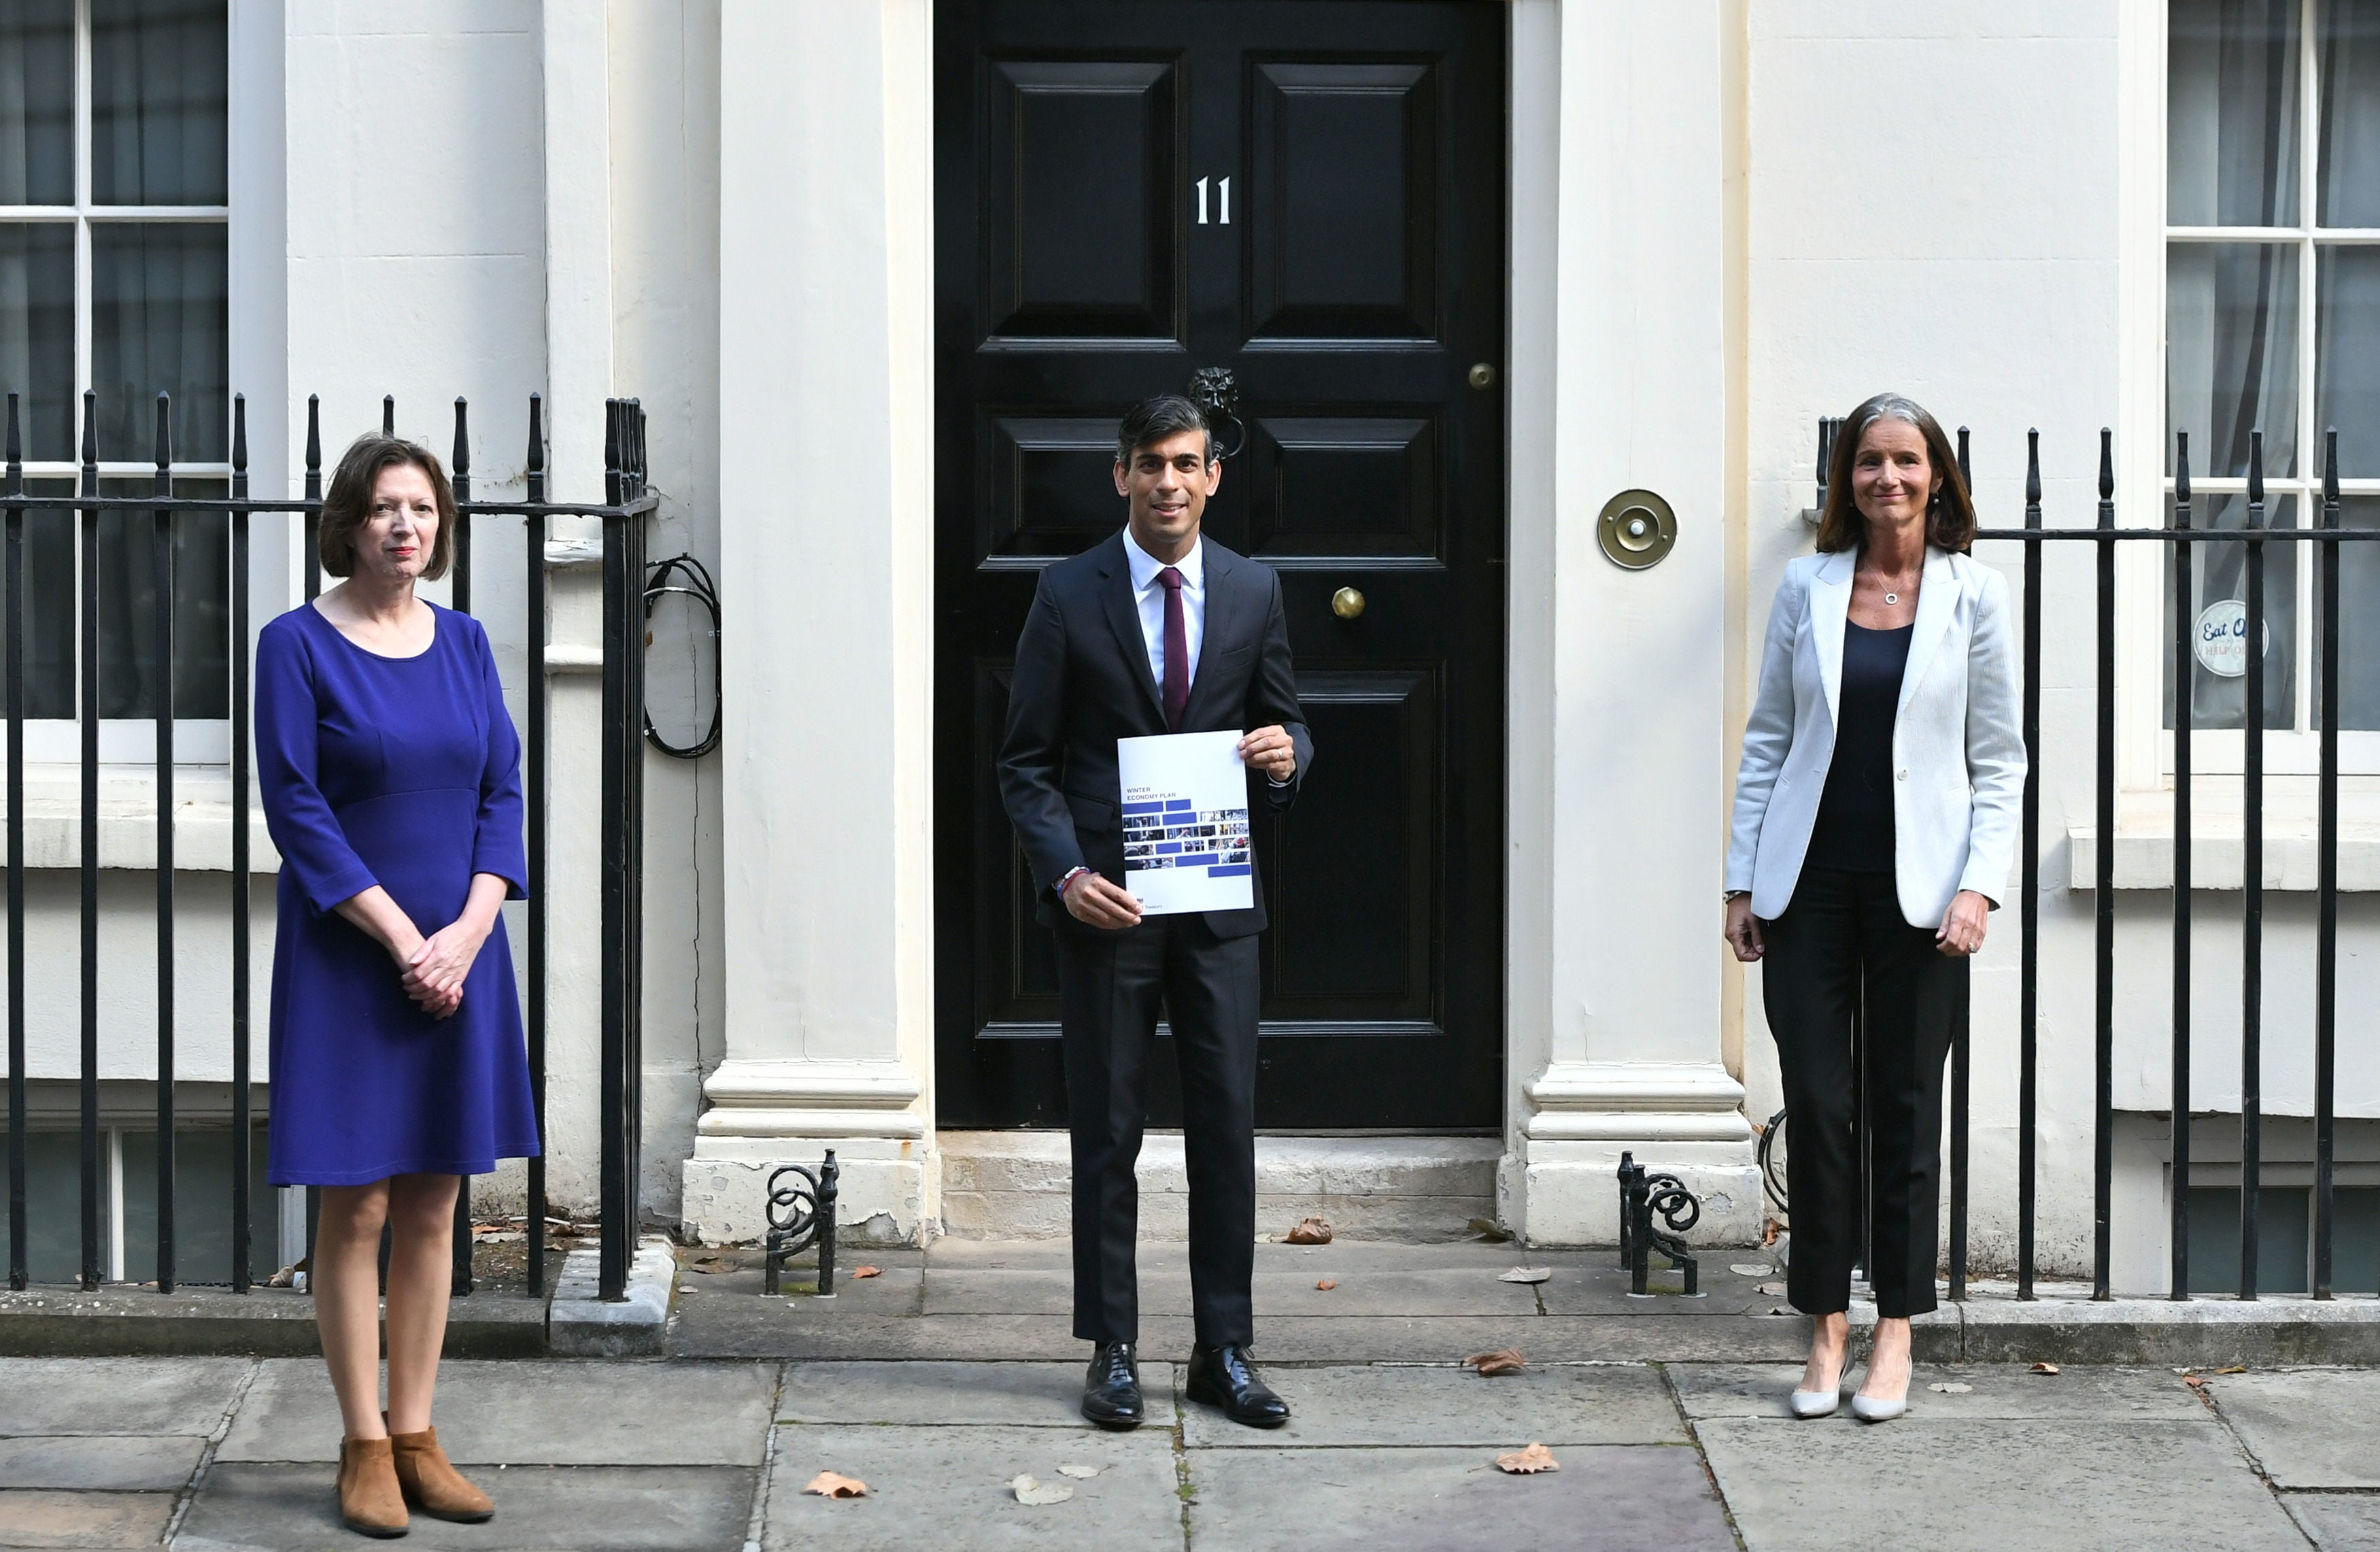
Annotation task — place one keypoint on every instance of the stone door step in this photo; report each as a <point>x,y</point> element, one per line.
<point>1014,1186</point>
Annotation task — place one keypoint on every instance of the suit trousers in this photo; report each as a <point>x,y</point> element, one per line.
<point>1109,993</point>
<point>1842,937</point>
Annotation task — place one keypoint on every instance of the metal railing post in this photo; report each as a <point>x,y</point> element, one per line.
<point>2102,1120</point>
<point>2251,882</point>
<point>86,632</point>
<point>2185,702</point>
<point>162,666</point>
<point>19,1222</point>
<point>2029,902</point>
<point>242,1132</point>
<point>2325,953</point>
<point>535,699</point>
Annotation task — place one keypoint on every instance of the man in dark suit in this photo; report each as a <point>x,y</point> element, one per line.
<point>1153,630</point>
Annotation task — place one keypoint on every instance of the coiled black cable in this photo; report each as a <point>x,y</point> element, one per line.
<point>699,587</point>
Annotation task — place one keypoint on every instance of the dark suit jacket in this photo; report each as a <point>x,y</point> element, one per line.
<point>1082,682</point>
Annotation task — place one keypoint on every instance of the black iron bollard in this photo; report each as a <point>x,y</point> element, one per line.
<point>801,1213</point>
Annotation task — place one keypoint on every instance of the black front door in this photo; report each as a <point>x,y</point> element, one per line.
<point>1309,195</point>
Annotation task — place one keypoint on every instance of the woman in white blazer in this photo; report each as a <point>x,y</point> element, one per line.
<point>1876,823</point>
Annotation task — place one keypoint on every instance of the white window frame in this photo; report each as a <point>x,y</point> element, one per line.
<point>197,741</point>
<point>2293,750</point>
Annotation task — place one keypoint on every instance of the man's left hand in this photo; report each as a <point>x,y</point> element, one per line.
<point>1270,750</point>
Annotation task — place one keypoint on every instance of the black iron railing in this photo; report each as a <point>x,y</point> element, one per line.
<point>2177,541</point>
<point>627,504</point>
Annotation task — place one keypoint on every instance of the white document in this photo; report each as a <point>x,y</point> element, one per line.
<point>1185,824</point>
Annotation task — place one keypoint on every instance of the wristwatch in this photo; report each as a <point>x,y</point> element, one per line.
<point>1725,896</point>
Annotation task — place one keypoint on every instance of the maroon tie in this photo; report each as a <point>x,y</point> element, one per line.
<point>1177,651</point>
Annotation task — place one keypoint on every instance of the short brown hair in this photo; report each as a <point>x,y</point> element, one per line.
<point>1950,516</point>
<point>347,505</point>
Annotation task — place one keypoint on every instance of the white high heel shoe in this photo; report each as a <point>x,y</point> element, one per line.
<point>1868,1409</point>
<point>1816,1403</point>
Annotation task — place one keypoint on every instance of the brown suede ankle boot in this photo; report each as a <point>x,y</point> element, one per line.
<point>432,1485</point>
<point>369,1499</point>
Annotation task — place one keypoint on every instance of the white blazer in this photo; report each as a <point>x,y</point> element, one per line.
<point>1958,750</point>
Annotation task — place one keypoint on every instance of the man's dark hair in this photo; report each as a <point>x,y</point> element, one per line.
<point>1153,421</point>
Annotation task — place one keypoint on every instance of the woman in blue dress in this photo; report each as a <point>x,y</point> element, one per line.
<point>391,778</point>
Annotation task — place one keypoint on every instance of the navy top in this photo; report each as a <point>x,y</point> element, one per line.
<point>402,772</point>
<point>1853,831</point>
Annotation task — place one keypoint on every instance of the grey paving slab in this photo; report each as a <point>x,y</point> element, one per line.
<point>245,1508</point>
<point>928,1394</point>
<point>116,1395</point>
<point>1608,1496</point>
<point>2093,1485</point>
<point>949,1487</point>
<point>115,1462</point>
<point>1384,1404</point>
<point>712,1327</point>
<point>2307,1428</point>
<point>1001,1291</point>
<point>554,1413</point>
<point>38,1518</point>
<point>2338,1521</point>
<point>1359,1290</point>
<point>1995,1390</point>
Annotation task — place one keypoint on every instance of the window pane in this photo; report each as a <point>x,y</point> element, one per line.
<point>2231,353</point>
<point>53,1206</point>
<point>2218,587</point>
<point>128,605</point>
<point>49,608</point>
<point>2358,618</point>
<point>2346,356</point>
<point>2349,185</point>
<point>159,322</point>
<point>158,102</point>
<point>201,1207</point>
<point>2231,113</point>
<point>36,102</point>
<point>37,333</point>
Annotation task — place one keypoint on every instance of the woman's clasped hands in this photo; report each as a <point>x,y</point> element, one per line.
<point>436,969</point>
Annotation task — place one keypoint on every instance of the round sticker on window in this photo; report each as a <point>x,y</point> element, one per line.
<point>2223,639</point>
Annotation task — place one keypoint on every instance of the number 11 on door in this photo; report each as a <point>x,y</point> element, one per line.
<point>1223,202</point>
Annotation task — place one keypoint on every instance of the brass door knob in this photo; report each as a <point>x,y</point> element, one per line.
<point>1483,376</point>
<point>1346,603</point>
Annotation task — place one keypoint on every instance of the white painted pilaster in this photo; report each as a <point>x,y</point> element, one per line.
<point>826,442</point>
<point>1619,686</point>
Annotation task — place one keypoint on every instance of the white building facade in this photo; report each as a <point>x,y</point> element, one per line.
<point>1708,225</point>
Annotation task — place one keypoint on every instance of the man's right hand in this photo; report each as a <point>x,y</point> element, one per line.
<point>1094,902</point>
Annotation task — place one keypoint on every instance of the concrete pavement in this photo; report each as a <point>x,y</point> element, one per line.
<point>212,1454</point>
<point>951,1372</point>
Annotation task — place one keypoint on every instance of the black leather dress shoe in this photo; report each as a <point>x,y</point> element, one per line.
<point>1224,1376</point>
<point>1111,1388</point>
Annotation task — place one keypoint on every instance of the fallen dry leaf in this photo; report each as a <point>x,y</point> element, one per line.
<point>866,1271</point>
<point>1029,1491</point>
<point>1950,1387</point>
<point>2045,1368</point>
<point>713,1264</point>
<point>1310,1231</point>
<point>286,1278</point>
<point>1488,1228</point>
<point>1504,1360</point>
<point>1526,1462</point>
<point>1325,1285</point>
<point>829,1484</point>
<point>1773,1289</point>
<point>1525,1274</point>
<point>2234,1368</point>
<point>1078,1472</point>
<point>1750,1268</point>
<point>2194,1381</point>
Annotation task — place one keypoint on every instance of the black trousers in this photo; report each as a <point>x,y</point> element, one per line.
<point>1844,933</point>
<point>1109,992</point>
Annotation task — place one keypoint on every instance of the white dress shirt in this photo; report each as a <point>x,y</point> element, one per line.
<point>1149,594</point>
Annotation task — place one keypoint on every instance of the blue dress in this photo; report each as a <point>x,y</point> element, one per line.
<point>402,772</point>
